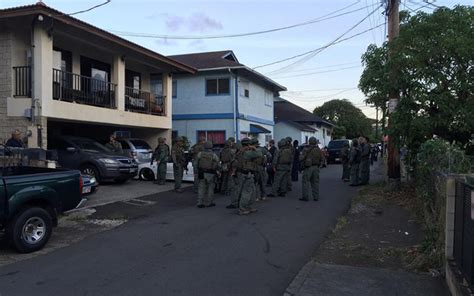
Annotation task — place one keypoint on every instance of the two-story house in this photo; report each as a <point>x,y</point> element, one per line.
<point>60,76</point>
<point>300,124</point>
<point>224,98</point>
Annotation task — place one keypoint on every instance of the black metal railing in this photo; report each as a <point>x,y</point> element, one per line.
<point>140,101</point>
<point>80,89</point>
<point>464,230</point>
<point>22,81</point>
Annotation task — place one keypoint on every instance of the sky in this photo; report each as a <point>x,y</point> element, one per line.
<point>311,80</point>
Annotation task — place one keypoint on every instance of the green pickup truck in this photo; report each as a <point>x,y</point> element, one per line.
<point>31,199</point>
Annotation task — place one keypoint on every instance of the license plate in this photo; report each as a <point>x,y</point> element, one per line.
<point>86,190</point>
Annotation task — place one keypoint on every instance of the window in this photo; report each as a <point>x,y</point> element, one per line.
<point>219,86</point>
<point>216,137</point>
<point>132,79</point>
<point>246,93</point>
<point>268,98</point>
<point>268,138</point>
<point>174,89</point>
<point>245,89</point>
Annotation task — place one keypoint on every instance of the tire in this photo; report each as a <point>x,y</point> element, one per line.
<point>30,229</point>
<point>146,174</point>
<point>91,170</point>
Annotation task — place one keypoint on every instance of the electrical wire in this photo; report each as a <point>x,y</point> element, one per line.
<point>190,37</point>
<point>89,9</point>
<point>316,90</point>
<point>324,67</point>
<point>319,72</point>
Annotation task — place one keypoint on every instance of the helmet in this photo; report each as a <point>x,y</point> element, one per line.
<point>289,139</point>
<point>254,142</point>
<point>208,145</point>
<point>245,142</point>
<point>179,139</point>
<point>282,143</point>
<point>231,139</point>
<point>313,141</point>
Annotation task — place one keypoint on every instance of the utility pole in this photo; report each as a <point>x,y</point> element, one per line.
<point>393,29</point>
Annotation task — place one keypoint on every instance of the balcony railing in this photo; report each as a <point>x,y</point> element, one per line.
<point>22,81</point>
<point>140,101</point>
<point>80,89</point>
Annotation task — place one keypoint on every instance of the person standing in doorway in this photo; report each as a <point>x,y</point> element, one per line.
<point>161,154</point>
<point>310,160</point>
<point>179,163</point>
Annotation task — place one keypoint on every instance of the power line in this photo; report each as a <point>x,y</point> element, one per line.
<point>324,67</point>
<point>319,19</point>
<point>89,9</point>
<point>316,90</point>
<point>319,48</point>
<point>321,98</point>
<point>319,72</point>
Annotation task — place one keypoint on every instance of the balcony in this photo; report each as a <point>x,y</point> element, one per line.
<point>70,87</point>
<point>140,101</point>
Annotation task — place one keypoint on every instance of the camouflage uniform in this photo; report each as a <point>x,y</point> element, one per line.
<point>364,163</point>
<point>208,165</point>
<point>179,163</point>
<point>161,154</point>
<point>227,156</point>
<point>345,162</point>
<point>292,149</point>
<point>261,174</point>
<point>234,181</point>
<point>354,162</point>
<point>282,166</point>
<point>310,160</point>
<point>194,152</point>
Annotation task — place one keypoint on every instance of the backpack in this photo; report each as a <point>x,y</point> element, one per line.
<point>285,156</point>
<point>312,157</point>
<point>206,161</point>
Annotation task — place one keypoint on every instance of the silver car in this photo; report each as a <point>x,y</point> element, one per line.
<point>137,149</point>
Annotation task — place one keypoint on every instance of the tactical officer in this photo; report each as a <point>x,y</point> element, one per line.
<point>194,152</point>
<point>289,140</point>
<point>354,161</point>
<point>227,156</point>
<point>179,163</point>
<point>161,154</point>
<point>281,166</point>
<point>208,167</point>
<point>246,168</point>
<point>260,175</point>
<point>364,161</point>
<point>113,145</point>
<point>345,162</point>
<point>310,160</point>
<point>234,180</point>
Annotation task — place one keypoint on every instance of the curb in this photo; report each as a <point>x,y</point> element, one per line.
<point>299,279</point>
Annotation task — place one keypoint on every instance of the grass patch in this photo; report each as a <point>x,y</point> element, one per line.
<point>341,223</point>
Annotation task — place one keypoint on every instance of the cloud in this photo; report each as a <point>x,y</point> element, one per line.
<point>197,22</point>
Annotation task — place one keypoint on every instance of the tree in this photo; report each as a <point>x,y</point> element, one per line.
<point>350,121</point>
<point>434,61</point>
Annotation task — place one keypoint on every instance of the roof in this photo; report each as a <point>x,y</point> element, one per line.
<point>286,111</point>
<point>41,8</point>
<point>223,60</point>
<point>258,129</point>
<point>302,126</point>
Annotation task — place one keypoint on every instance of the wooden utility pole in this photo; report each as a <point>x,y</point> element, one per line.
<point>393,29</point>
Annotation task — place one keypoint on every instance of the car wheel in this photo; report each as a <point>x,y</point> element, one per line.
<point>91,171</point>
<point>30,229</point>
<point>146,174</point>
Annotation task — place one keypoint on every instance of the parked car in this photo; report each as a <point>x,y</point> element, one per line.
<point>31,199</point>
<point>89,185</point>
<point>137,149</point>
<point>94,159</point>
<point>148,172</point>
<point>334,150</point>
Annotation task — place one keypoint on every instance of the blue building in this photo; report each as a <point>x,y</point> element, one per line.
<point>224,98</point>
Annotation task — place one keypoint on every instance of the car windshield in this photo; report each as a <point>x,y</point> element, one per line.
<point>336,144</point>
<point>140,144</point>
<point>86,144</point>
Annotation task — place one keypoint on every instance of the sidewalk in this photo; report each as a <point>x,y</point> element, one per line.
<point>369,252</point>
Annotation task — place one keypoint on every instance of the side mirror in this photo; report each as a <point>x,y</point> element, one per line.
<point>71,149</point>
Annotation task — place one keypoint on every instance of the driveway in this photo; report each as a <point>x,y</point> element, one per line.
<point>170,247</point>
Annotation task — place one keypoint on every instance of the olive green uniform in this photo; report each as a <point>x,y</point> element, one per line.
<point>161,155</point>
<point>354,162</point>
<point>310,160</point>
<point>194,152</point>
<point>208,164</point>
<point>364,164</point>
<point>179,164</point>
<point>292,149</point>
<point>234,179</point>
<point>246,169</point>
<point>345,163</point>
<point>115,147</point>
<point>282,165</point>
<point>261,174</point>
<point>227,156</point>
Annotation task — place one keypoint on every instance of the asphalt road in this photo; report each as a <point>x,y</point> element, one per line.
<point>174,248</point>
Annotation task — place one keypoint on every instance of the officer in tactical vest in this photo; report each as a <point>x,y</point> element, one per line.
<point>246,165</point>
<point>179,163</point>
<point>292,149</point>
<point>310,160</point>
<point>354,162</point>
<point>261,174</point>
<point>227,156</point>
<point>161,154</point>
<point>282,166</point>
<point>194,152</point>
<point>114,145</point>
<point>208,167</point>
<point>234,180</point>
<point>364,161</point>
<point>345,162</point>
